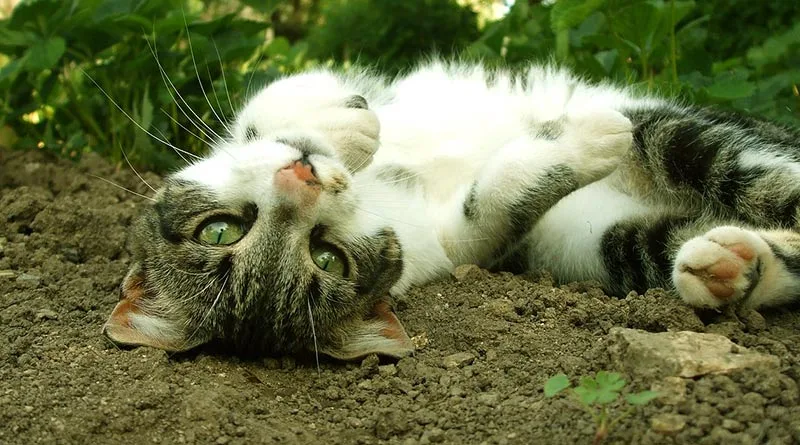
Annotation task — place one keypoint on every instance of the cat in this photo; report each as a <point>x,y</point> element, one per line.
<point>335,192</point>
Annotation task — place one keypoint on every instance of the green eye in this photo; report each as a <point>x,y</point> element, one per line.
<point>221,232</point>
<point>329,259</point>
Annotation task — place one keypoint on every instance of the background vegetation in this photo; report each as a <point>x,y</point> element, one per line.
<point>160,59</point>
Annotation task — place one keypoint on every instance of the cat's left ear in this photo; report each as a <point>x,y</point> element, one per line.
<point>131,323</point>
<point>382,334</point>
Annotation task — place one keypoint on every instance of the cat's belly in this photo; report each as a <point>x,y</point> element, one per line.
<point>566,241</point>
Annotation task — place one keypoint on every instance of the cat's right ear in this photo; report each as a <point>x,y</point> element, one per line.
<point>133,321</point>
<point>381,333</point>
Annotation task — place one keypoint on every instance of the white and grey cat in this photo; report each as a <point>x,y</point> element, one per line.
<point>337,191</point>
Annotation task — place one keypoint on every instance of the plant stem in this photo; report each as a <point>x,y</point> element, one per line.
<point>673,46</point>
<point>562,44</point>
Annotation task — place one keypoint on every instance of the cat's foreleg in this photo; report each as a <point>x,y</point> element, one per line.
<point>318,105</point>
<point>527,177</point>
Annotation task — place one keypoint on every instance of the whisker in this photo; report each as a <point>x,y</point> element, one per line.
<point>313,333</point>
<point>179,151</point>
<point>168,83</point>
<point>252,74</point>
<point>184,128</point>
<point>386,217</point>
<point>186,272</point>
<point>197,72</point>
<point>210,309</point>
<point>225,122</point>
<point>123,188</point>
<point>138,125</point>
<point>224,80</point>
<point>125,155</point>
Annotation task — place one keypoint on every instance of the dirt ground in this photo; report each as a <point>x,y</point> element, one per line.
<point>62,259</point>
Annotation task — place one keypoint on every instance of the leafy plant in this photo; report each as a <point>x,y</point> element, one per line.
<point>596,395</point>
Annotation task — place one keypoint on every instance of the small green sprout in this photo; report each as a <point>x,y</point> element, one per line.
<point>596,394</point>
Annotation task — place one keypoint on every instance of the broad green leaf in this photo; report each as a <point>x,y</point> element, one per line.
<point>641,398</point>
<point>568,14</point>
<point>730,89</point>
<point>556,384</point>
<point>612,381</point>
<point>44,54</point>
<point>586,395</point>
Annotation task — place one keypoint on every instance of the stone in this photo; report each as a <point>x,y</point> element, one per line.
<point>6,273</point>
<point>671,390</point>
<point>458,360</point>
<point>466,272</point>
<point>682,354</point>
<point>46,314</point>
<point>29,279</point>
<point>668,423</point>
<point>420,341</point>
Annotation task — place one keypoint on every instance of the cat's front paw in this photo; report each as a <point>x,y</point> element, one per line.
<point>600,138</point>
<point>722,266</point>
<point>314,103</point>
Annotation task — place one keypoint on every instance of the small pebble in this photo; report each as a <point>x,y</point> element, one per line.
<point>667,423</point>
<point>458,360</point>
<point>46,314</point>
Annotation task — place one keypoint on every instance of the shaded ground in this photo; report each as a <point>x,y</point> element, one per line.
<point>62,259</point>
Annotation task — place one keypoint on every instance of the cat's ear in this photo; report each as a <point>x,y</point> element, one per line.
<point>381,333</point>
<point>132,323</point>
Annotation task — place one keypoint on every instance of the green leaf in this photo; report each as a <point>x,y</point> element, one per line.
<point>587,395</point>
<point>641,398</point>
<point>556,384</point>
<point>730,89</point>
<point>611,381</point>
<point>45,53</point>
<point>568,14</point>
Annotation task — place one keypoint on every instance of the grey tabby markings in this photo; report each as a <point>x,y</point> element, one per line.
<point>695,156</point>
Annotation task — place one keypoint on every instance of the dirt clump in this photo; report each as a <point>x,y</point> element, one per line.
<point>487,343</point>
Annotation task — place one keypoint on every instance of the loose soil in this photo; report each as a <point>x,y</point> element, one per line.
<point>62,258</point>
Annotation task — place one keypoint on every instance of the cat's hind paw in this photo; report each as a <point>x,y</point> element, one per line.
<point>722,266</point>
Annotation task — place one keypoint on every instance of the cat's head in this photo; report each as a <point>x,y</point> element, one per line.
<point>260,246</point>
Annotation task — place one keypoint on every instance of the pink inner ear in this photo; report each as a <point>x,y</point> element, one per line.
<point>120,327</point>
<point>394,329</point>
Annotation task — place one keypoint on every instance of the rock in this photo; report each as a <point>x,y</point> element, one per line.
<point>29,279</point>
<point>458,360</point>
<point>387,370</point>
<point>682,354</point>
<point>435,435</point>
<point>667,423</point>
<point>46,314</point>
<point>7,273</point>
<point>489,398</point>
<point>467,272</point>
<point>732,425</point>
<point>671,390</point>
<point>753,321</point>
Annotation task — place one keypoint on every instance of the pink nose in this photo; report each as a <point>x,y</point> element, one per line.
<point>303,172</point>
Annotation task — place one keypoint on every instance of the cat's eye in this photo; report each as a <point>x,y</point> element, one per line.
<point>220,231</point>
<point>329,258</point>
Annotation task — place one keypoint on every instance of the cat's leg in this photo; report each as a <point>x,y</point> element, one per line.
<point>526,178</point>
<point>743,168</point>
<point>705,263</point>
<point>321,105</point>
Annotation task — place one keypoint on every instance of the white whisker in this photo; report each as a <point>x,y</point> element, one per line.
<point>125,155</point>
<point>138,125</point>
<point>200,81</point>
<point>123,188</point>
<point>224,80</point>
<point>313,333</point>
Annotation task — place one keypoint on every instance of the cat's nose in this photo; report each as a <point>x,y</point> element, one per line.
<point>303,170</point>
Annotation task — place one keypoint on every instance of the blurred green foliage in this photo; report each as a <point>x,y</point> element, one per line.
<point>180,68</point>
